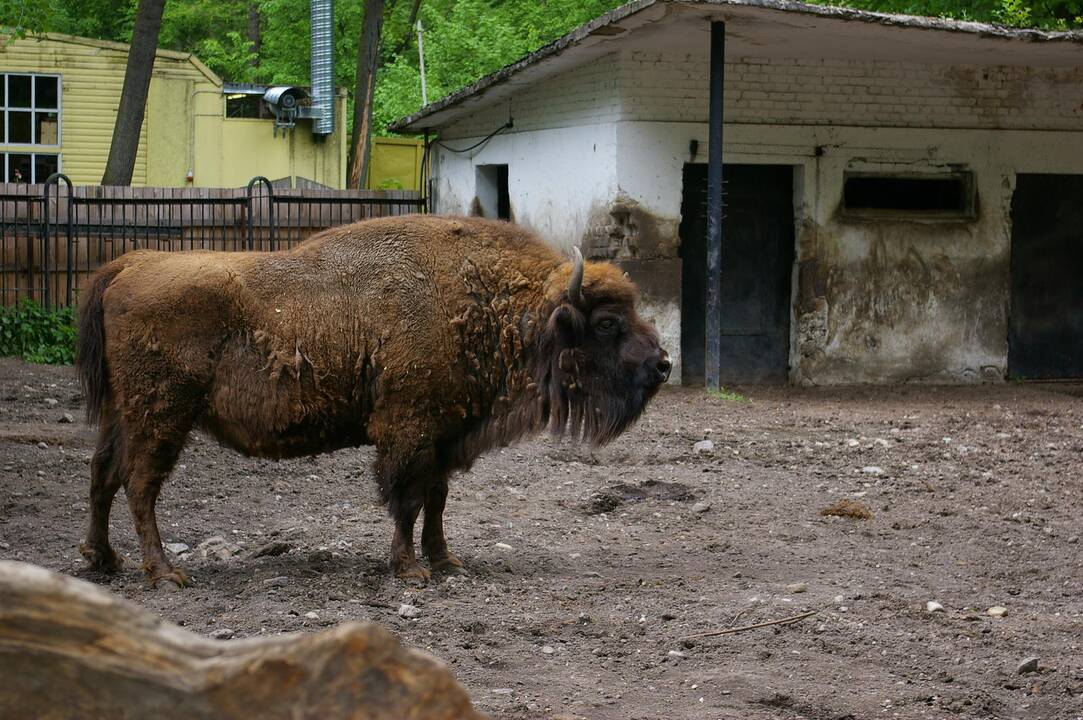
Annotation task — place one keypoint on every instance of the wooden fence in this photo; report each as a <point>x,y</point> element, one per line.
<point>53,235</point>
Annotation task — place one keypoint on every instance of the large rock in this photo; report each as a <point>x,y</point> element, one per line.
<point>69,649</point>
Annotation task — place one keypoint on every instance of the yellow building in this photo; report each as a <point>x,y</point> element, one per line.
<point>395,163</point>
<point>58,101</point>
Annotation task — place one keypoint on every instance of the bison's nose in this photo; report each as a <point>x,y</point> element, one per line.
<point>657,368</point>
<point>664,367</point>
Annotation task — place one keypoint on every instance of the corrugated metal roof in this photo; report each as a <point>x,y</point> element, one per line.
<point>122,48</point>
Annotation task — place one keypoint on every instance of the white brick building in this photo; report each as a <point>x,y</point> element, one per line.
<point>904,195</point>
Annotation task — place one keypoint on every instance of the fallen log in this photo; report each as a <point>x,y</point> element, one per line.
<point>69,649</point>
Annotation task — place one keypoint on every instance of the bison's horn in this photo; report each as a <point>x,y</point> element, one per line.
<point>575,284</point>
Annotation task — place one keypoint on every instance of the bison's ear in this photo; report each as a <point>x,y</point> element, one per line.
<point>566,326</point>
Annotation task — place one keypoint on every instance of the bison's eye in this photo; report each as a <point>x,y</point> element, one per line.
<point>606,326</point>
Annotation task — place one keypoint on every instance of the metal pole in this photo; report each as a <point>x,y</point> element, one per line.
<point>421,63</point>
<point>423,186</point>
<point>714,209</point>
<point>46,236</point>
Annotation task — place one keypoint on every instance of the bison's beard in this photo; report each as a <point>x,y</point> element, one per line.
<point>594,412</point>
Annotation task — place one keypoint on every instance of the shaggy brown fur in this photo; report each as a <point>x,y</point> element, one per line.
<point>431,338</point>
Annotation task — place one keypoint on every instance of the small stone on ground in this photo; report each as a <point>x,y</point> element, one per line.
<point>1027,665</point>
<point>703,447</point>
<point>408,611</point>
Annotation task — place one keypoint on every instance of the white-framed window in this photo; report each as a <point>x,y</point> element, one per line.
<point>24,167</point>
<point>29,126</point>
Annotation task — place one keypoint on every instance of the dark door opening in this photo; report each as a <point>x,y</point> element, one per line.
<point>1045,329</point>
<point>492,191</point>
<point>757,262</point>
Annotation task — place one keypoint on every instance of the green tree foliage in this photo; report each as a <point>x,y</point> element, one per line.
<point>20,16</point>
<point>105,19</point>
<point>1046,14</point>
<point>231,57</point>
<point>464,39</point>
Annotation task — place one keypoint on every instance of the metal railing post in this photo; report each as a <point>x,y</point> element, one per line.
<point>259,179</point>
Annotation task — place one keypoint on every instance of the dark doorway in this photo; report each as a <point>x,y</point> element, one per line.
<point>492,191</point>
<point>757,262</point>
<point>1045,332</point>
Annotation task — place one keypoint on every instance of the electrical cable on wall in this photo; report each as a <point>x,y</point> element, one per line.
<point>509,124</point>
<point>425,171</point>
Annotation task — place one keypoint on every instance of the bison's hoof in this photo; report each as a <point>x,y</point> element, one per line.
<point>101,558</point>
<point>447,563</point>
<point>173,579</point>
<point>413,574</point>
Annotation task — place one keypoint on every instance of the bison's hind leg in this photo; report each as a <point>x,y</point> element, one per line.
<point>151,458</point>
<point>106,476</point>
<point>140,458</point>
<point>154,425</point>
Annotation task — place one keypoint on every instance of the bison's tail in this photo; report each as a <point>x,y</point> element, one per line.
<point>90,344</point>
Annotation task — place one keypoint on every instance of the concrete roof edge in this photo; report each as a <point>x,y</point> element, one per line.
<point>557,46</point>
<point>918,22</point>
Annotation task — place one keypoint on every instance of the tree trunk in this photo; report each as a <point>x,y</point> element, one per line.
<point>368,59</point>
<point>133,97</point>
<point>69,650</point>
<point>254,36</point>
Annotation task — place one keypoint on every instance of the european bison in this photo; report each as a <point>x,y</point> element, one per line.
<point>432,338</point>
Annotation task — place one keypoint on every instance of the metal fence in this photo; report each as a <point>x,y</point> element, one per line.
<point>52,236</point>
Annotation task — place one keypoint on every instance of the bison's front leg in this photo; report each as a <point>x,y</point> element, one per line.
<point>403,481</point>
<point>403,559</point>
<point>106,477</point>
<point>432,535</point>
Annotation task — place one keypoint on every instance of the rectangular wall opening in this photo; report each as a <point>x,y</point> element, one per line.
<point>943,196</point>
<point>491,183</point>
<point>1045,327</point>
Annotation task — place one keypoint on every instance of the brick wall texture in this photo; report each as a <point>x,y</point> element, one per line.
<point>641,86</point>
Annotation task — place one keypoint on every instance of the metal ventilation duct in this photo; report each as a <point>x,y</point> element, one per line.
<point>323,67</point>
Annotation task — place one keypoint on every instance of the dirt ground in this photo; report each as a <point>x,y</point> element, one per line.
<point>587,571</point>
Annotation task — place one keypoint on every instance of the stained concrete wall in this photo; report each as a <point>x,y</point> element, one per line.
<point>884,300</point>
<point>555,177</point>
<point>846,93</point>
<point>873,301</point>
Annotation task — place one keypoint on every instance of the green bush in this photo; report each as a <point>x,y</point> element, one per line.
<point>38,334</point>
